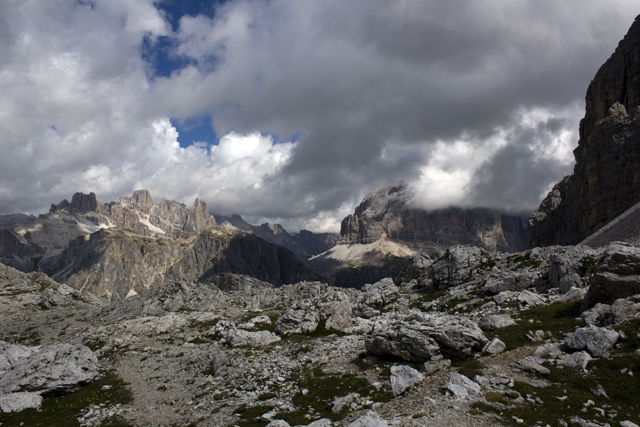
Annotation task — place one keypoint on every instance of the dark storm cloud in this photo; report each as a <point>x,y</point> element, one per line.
<point>465,101</point>
<point>516,177</point>
<point>356,76</point>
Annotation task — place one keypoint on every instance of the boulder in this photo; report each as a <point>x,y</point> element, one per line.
<point>12,353</point>
<point>322,422</point>
<point>16,402</point>
<point>217,360</point>
<point>304,315</point>
<point>528,299</point>
<point>495,346</point>
<point>380,294</point>
<point>499,281</point>
<point>495,321</point>
<point>437,363</point>
<point>548,351</point>
<point>364,311</point>
<point>454,332</point>
<point>341,402</point>
<point>528,365</point>
<point>60,368</point>
<point>456,266</point>
<point>597,341</point>
<point>227,332</point>
<point>622,310</point>
<point>563,274</point>
<point>50,299</point>
<point>616,276</point>
<point>297,322</point>
<point>400,341</point>
<point>579,359</point>
<point>369,421</point>
<point>461,386</point>
<point>403,377</point>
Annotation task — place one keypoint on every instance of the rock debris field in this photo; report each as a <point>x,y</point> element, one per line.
<point>544,337</point>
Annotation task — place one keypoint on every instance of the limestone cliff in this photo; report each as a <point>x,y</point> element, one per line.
<point>384,231</point>
<point>385,214</point>
<point>606,178</point>
<point>23,245</point>
<point>116,263</point>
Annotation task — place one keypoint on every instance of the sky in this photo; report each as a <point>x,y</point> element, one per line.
<point>290,111</point>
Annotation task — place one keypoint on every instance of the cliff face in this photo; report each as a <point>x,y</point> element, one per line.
<point>304,244</point>
<point>138,213</point>
<point>384,214</point>
<point>606,178</point>
<point>116,263</point>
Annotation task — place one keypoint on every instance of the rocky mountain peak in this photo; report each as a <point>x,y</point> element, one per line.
<point>143,198</point>
<point>80,203</point>
<point>606,178</point>
<point>386,213</point>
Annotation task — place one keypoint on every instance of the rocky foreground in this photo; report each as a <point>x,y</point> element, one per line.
<point>544,337</point>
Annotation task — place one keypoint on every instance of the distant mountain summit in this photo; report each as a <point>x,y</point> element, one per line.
<point>138,213</point>
<point>386,213</point>
<point>606,178</point>
<point>384,231</point>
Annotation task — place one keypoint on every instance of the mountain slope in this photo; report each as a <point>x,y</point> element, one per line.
<point>384,231</point>
<point>117,263</point>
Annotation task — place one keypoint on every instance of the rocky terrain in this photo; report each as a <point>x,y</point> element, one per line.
<point>470,338</point>
<point>606,178</point>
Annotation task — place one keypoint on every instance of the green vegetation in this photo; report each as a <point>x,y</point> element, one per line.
<point>267,396</point>
<point>201,326</point>
<point>419,302</point>
<point>323,389</point>
<point>495,397</point>
<point>249,415</point>
<point>29,336</point>
<point>571,388</point>
<point>64,411</point>
<point>487,264</point>
<point>523,261</point>
<point>588,262</point>
<point>557,318</point>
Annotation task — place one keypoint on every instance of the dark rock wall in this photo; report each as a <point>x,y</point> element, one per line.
<point>606,178</point>
<point>385,213</point>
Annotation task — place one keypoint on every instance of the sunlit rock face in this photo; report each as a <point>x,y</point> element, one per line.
<point>386,214</point>
<point>606,178</point>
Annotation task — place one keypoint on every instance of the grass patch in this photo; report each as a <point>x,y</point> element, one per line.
<point>572,388</point>
<point>495,397</point>
<point>64,411</point>
<point>30,337</point>
<point>425,299</point>
<point>557,318</point>
<point>487,264</point>
<point>468,367</point>
<point>267,396</point>
<point>249,415</point>
<point>588,262</point>
<point>322,390</point>
<point>194,324</point>
<point>320,332</point>
<point>523,261</point>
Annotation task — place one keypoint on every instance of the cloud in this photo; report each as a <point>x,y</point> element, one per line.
<point>318,102</point>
